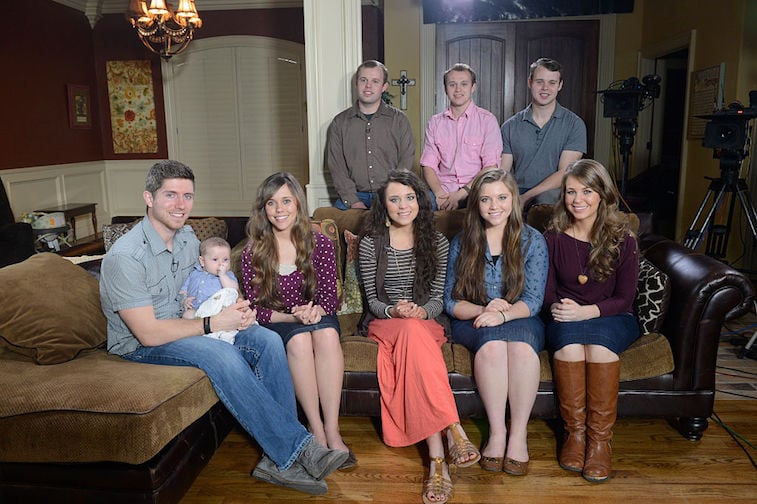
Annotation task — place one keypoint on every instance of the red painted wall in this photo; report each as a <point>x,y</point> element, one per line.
<point>45,46</point>
<point>53,45</point>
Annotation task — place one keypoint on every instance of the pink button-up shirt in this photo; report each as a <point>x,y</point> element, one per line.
<point>457,149</point>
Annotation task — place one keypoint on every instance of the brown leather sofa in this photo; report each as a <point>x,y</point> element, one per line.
<point>670,375</point>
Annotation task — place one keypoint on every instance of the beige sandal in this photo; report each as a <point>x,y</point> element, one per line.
<point>437,485</point>
<point>461,448</point>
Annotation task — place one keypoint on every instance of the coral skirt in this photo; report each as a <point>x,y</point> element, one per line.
<point>416,398</point>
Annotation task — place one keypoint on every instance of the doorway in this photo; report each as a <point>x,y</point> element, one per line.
<point>655,186</point>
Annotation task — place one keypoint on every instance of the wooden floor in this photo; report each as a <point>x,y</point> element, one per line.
<point>652,463</point>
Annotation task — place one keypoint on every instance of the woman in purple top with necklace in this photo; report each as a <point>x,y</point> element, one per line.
<point>289,276</point>
<point>591,285</point>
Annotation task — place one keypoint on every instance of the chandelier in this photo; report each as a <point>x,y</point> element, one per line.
<point>161,29</point>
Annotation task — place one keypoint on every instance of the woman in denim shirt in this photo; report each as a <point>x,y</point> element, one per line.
<point>496,274</point>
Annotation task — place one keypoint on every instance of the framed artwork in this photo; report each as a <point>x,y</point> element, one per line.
<point>79,106</point>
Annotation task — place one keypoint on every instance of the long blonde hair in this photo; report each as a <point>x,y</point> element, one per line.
<point>264,255</point>
<point>611,226</point>
<point>469,269</point>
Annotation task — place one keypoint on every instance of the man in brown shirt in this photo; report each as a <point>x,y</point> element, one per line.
<point>367,141</point>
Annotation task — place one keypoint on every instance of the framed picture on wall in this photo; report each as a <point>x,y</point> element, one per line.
<point>79,106</point>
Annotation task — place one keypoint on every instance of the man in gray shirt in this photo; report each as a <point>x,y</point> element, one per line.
<point>540,141</point>
<point>367,141</point>
<point>140,280</point>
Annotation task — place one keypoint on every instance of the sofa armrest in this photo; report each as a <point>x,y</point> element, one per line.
<point>705,294</point>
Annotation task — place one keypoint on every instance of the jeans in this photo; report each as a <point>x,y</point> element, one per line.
<point>365,197</point>
<point>251,377</point>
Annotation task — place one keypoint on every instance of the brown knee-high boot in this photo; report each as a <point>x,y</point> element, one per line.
<point>570,380</point>
<point>603,380</point>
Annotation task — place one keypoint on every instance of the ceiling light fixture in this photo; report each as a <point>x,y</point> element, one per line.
<point>161,29</point>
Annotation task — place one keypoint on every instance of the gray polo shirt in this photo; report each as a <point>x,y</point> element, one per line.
<point>139,270</point>
<point>536,151</point>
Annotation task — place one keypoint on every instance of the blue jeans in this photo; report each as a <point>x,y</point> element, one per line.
<point>365,197</point>
<point>251,377</point>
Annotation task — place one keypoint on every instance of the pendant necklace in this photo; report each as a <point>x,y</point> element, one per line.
<point>582,277</point>
<point>405,276</point>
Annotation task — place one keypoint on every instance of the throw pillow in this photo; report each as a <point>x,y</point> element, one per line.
<point>112,232</point>
<point>352,300</point>
<point>329,229</point>
<point>652,297</point>
<point>50,309</point>
<point>207,227</point>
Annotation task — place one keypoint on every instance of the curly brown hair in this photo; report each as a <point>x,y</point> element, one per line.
<point>264,255</point>
<point>424,249</point>
<point>611,226</point>
<point>469,268</point>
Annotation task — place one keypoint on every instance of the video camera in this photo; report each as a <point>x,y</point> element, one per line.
<point>727,128</point>
<point>624,99</point>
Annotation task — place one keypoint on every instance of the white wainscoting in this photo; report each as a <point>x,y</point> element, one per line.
<point>42,187</point>
<point>115,185</point>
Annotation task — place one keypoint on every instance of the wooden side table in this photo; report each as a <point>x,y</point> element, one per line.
<point>71,211</point>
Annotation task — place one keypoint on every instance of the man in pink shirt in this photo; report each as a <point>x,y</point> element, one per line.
<point>460,142</point>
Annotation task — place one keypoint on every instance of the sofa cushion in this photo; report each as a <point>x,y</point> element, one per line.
<point>207,227</point>
<point>647,357</point>
<point>352,296</point>
<point>652,297</point>
<point>50,309</point>
<point>98,407</point>
<point>203,228</point>
<point>112,232</point>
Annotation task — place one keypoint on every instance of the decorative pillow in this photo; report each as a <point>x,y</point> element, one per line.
<point>329,229</point>
<point>652,297</point>
<point>50,309</point>
<point>209,226</point>
<point>352,300</point>
<point>112,232</point>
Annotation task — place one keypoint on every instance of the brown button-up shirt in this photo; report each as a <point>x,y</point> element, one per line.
<point>361,152</point>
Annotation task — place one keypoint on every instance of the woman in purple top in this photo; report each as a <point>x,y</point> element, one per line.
<point>289,276</point>
<point>591,284</point>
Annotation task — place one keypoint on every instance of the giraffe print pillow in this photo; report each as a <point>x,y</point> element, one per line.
<point>652,297</point>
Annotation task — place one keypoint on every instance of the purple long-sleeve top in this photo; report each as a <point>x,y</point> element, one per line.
<point>569,258</point>
<point>290,286</point>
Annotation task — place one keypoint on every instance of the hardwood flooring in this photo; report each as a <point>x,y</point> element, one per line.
<point>652,463</point>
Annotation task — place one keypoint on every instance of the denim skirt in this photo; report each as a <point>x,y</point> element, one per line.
<point>526,330</point>
<point>615,332</point>
<point>288,329</point>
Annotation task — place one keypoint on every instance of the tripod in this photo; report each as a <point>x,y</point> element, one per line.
<point>625,129</point>
<point>728,182</point>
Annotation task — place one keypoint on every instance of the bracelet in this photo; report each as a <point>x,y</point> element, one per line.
<point>386,311</point>
<point>466,189</point>
<point>504,316</point>
<point>206,325</point>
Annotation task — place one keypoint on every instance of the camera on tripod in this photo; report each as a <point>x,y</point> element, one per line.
<point>630,96</point>
<point>622,102</point>
<point>727,128</point>
<point>727,133</point>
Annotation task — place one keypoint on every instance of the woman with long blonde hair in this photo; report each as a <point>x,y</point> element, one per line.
<point>593,273</point>
<point>289,275</point>
<point>495,286</point>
